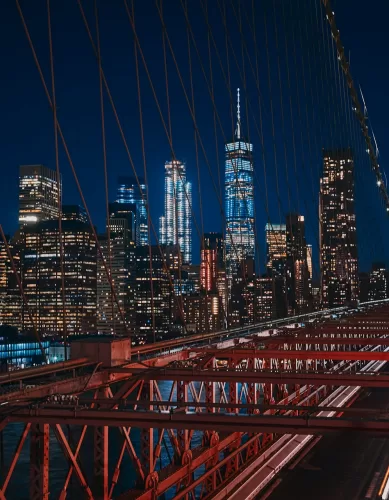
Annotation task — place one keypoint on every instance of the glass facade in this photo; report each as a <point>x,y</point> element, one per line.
<point>39,193</point>
<point>74,212</point>
<point>10,297</point>
<point>129,192</point>
<point>175,227</point>
<point>22,353</point>
<point>275,244</point>
<point>152,297</point>
<point>338,242</point>
<point>239,201</point>
<point>42,279</point>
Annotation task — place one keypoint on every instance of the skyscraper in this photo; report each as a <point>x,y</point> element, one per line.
<point>379,282</point>
<point>119,256</point>
<point>276,267</point>
<point>239,200</point>
<point>175,226</point>
<point>275,243</point>
<point>297,275</point>
<point>39,193</point>
<point>129,192</point>
<point>338,243</point>
<point>309,261</point>
<point>10,296</point>
<point>212,260</point>
<point>74,212</point>
<point>42,280</point>
<point>152,301</point>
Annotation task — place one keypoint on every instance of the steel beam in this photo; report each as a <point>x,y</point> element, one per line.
<point>240,354</point>
<point>39,461</point>
<point>209,376</point>
<point>201,421</point>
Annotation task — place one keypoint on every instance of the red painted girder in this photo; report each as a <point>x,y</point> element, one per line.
<point>201,421</point>
<point>311,339</point>
<point>45,370</point>
<point>231,375</point>
<point>351,328</point>
<point>89,382</point>
<point>239,354</point>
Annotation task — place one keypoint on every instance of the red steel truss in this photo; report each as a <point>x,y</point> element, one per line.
<point>188,423</point>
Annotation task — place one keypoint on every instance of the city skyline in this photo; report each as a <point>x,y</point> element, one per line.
<point>34,129</point>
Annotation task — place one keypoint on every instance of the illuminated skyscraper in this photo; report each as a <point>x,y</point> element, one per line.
<point>39,191</point>
<point>212,260</point>
<point>239,201</point>
<point>152,301</point>
<point>276,266</point>
<point>338,242</point>
<point>42,280</point>
<point>275,243</point>
<point>74,212</point>
<point>309,261</point>
<point>129,192</point>
<point>175,226</point>
<point>297,275</point>
<point>378,282</point>
<point>10,297</point>
<point>119,255</point>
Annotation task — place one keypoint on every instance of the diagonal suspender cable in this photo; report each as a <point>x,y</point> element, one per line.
<point>58,174</point>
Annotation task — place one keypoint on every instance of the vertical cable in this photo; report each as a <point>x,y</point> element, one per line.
<point>145,177</point>
<point>58,174</point>
<point>103,138</point>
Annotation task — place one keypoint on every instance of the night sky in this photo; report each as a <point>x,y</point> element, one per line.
<point>26,126</point>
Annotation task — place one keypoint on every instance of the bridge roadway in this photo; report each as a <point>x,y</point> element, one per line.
<point>338,467</point>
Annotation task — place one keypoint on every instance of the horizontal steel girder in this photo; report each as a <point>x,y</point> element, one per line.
<point>239,354</point>
<point>202,421</point>
<point>362,379</point>
<point>303,340</point>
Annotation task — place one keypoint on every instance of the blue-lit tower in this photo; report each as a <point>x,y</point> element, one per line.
<point>175,226</point>
<point>129,192</point>
<point>239,201</point>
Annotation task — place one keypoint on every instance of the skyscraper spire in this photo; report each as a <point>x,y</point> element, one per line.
<point>237,131</point>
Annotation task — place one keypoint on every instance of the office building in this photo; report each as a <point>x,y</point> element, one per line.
<point>239,201</point>
<point>175,226</point>
<point>378,282</point>
<point>152,296</point>
<point>129,192</point>
<point>276,267</point>
<point>297,273</point>
<point>212,260</point>
<point>74,212</point>
<point>10,295</point>
<point>309,261</point>
<point>275,243</point>
<point>338,243</point>
<point>42,278</point>
<point>39,194</point>
<point>116,311</point>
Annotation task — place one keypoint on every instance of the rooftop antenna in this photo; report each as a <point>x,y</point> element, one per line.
<point>237,132</point>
